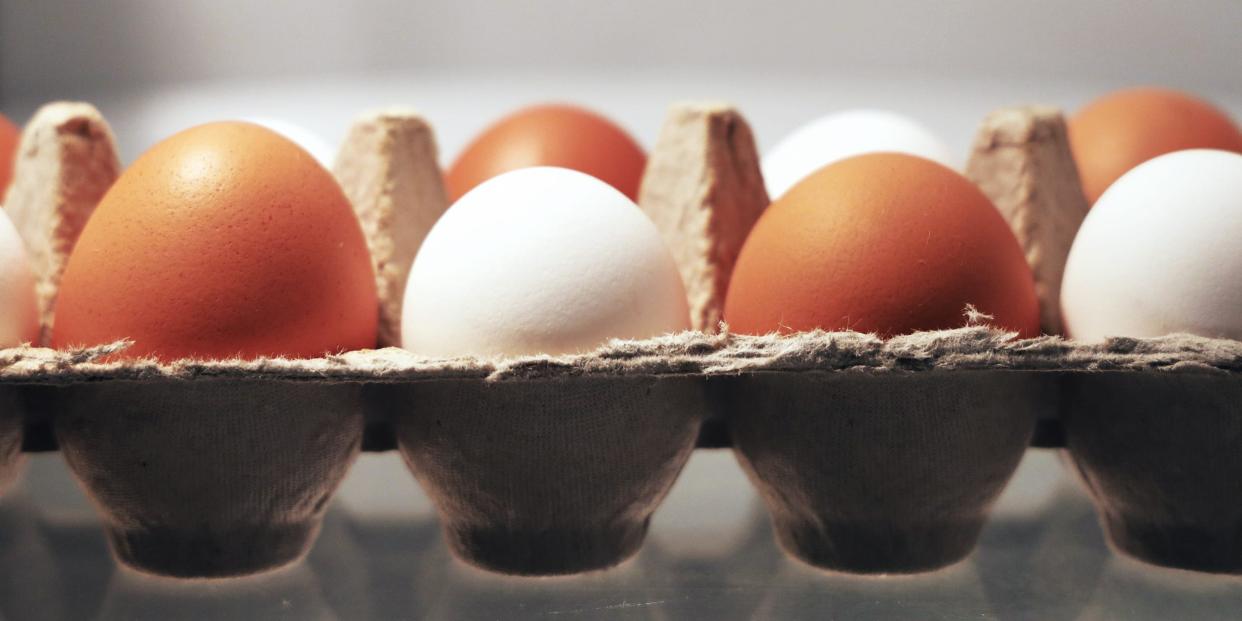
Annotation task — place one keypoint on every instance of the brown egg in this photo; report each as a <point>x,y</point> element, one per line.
<point>223,240</point>
<point>884,243</point>
<point>550,135</point>
<point>1123,129</point>
<point>10,136</point>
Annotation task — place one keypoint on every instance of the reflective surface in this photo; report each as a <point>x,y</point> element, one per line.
<point>710,555</point>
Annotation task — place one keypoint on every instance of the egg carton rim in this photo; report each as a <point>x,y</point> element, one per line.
<point>688,353</point>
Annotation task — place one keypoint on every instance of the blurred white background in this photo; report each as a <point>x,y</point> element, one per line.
<point>154,67</point>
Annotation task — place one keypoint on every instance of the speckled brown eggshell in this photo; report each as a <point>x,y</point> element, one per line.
<point>223,240</point>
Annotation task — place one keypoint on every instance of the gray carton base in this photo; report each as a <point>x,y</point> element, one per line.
<point>1161,456</point>
<point>872,455</point>
<point>547,476</point>
<point>12,415</point>
<point>881,473</point>
<point>209,478</point>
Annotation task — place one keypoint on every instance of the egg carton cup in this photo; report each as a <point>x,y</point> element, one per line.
<point>871,455</point>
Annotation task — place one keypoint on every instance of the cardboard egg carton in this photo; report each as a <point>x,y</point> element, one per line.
<point>871,455</point>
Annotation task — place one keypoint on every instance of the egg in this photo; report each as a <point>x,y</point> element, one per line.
<point>10,136</point>
<point>19,314</point>
<point>885,243</point>
<point>224,240</point>
<point>838,136</point>
<point>540,260</point>
<point>550,135</point>
<point>303,137</point>
<point>1158,253</point>
<point>1121,130</point>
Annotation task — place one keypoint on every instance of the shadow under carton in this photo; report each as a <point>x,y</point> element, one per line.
<point>210,477</point>
<point>881,472</point>
<point>1161,455</point>
<point>546,476</point>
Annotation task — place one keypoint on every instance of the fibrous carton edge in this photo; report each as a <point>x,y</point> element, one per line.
<point>685,353</point>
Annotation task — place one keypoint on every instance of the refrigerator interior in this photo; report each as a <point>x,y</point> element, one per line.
<point>153,68</point>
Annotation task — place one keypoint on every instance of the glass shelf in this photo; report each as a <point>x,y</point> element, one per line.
<point>709,555</point>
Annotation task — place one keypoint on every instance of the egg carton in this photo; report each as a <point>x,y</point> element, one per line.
<point>872,455</point>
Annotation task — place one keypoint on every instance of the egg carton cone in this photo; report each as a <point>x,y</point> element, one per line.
<point>67,159</point>
<point>1022,161</point>
<point>383,168</point>
<point>871,455</point>
<point>704,190</point>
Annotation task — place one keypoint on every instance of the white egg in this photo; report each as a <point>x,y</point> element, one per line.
<point>1161,252</point>
<point>846,134</point>
<point>19,315</point>
<point>540,260</point>
<point>305,138</point>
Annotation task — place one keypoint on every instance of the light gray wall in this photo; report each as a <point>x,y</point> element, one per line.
<point>61,48</point>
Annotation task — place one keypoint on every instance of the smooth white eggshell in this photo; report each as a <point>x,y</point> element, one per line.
<point>305,138</point>
<point>19,316</point>
<point>846,134</point>
<point>540,260</point>
<point>1161,252</point>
